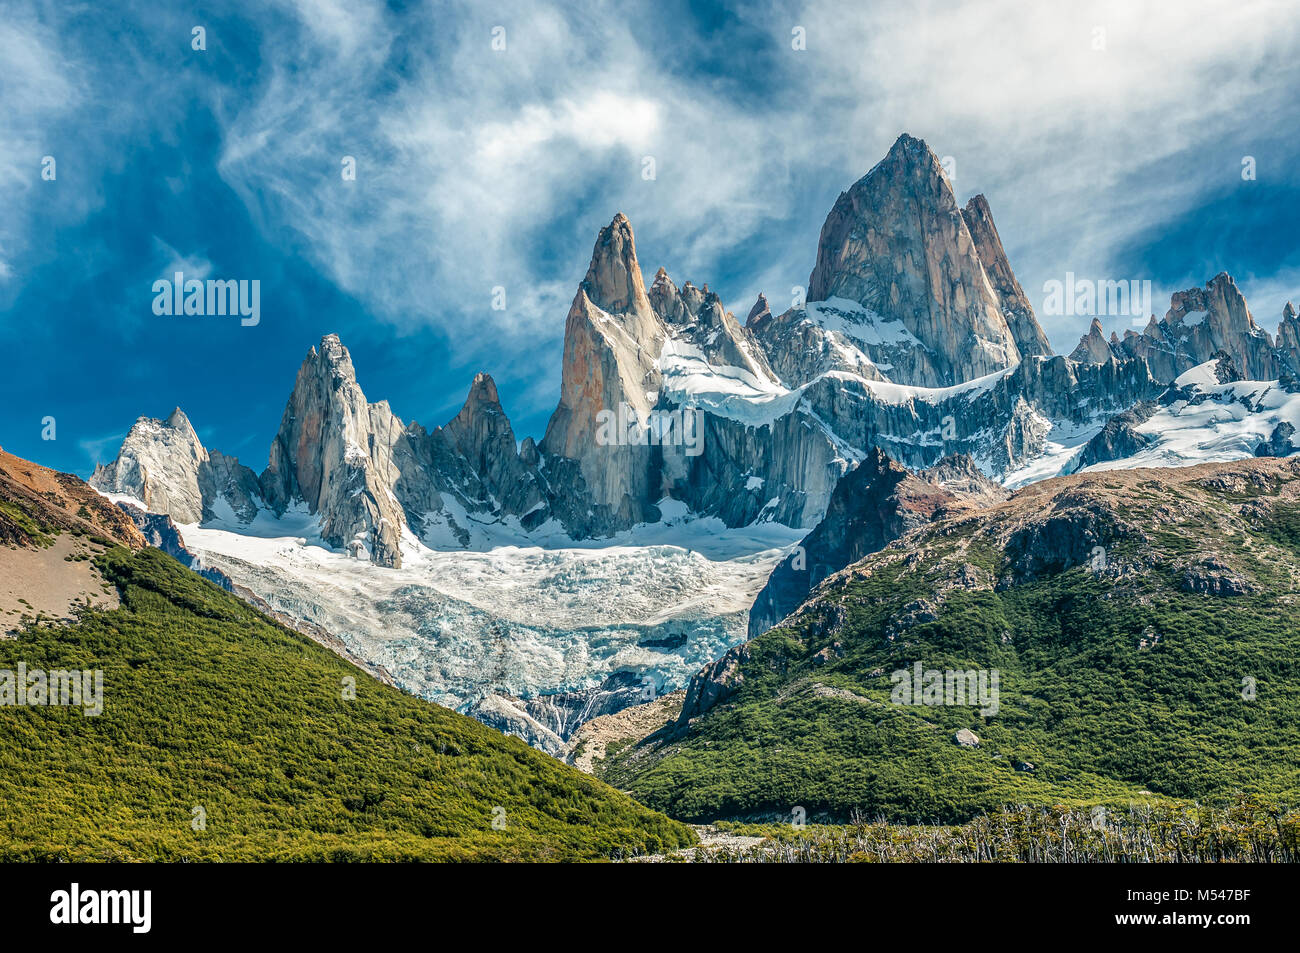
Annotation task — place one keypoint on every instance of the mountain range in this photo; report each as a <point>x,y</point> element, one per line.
<point>913,362</point>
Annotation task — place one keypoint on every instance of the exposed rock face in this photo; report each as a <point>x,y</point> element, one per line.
<point>334,452</point>
<point>1213,577</point>
<point>367,476</point>
<point>1093,348</point>
<point>801,348</point>
<point>1118,439</point>
<point>1288,341</point>
<point>713,333</point>
<point>164,464</point>
<point>350,462</point>
<point>710,686</point>
<point>482,435</point>
<point>911,343</point>
<point>872,506</point>
<point>1030,339</point>
<point>549,721</point>
<point>159,463</point>
<point>1199,323</point>
<point>225,478</point>
<point>1279,442</point>
<point>898,244</point>
<point>1072,532</point>
<point>612,340</point>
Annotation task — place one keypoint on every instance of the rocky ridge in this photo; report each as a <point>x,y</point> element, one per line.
<point>917,339</point>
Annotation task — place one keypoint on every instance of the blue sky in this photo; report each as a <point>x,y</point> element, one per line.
<point>1109,139</point>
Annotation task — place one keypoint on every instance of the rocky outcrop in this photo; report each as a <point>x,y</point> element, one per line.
<point>161,532</point>
<point>159,464</point>
<point>1118,439</point>
<point>1288,341</point>
<point>366,475</point>
<point>612,342</point>
<point>482,435</point>
<point>164,465</point>
<point>1212,576</point>
<point>335,453</point>
<point>873,505</point>
<point>709,687</point>
<point>1073,531</point>
<point>709,332</point>
<point>898,244</point>
<point>1199,323</point>
<point>548,722</point>
<point>1279,442</point>
<point>801,348</point>
<point>1093,348</point>
<point>1029,336</point>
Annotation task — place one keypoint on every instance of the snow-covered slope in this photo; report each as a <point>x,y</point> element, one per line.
<point>525,616</point>
<point>1206,416</point>
<point>1217,423</point>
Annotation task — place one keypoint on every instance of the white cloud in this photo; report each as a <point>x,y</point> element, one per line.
<point>194,266</point>
<point>39,86</point>
<point>102,449</point>
<point>478,167</point>
<point>1067,141</point>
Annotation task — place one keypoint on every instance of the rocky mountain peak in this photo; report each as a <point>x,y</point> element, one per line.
<point>610,364</point>
<point>483,391</point>
<point>1288,341</point>
<point>164,465</point>
<point>1201,322</point>
<point>178,421</point>
<point>159,463</point>
<point>334,452</point>
<point>760,312</point>
<point>481,411</point>
<point>1029,335</point>
<point>666,300</point>
<point>898,244</point>
<point>1093,348</point>
<point>614,282</point>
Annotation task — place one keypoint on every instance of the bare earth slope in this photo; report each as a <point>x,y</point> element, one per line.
<point>51,525</point>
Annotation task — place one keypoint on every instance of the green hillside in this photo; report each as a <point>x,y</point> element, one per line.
<point>1122,678</point>
<point>210,705</point>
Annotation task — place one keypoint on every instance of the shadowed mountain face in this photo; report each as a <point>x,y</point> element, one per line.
<point>875,504</point>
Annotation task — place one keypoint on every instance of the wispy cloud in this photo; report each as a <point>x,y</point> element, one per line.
<point>102,448</point>
<point>1089,126</point>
